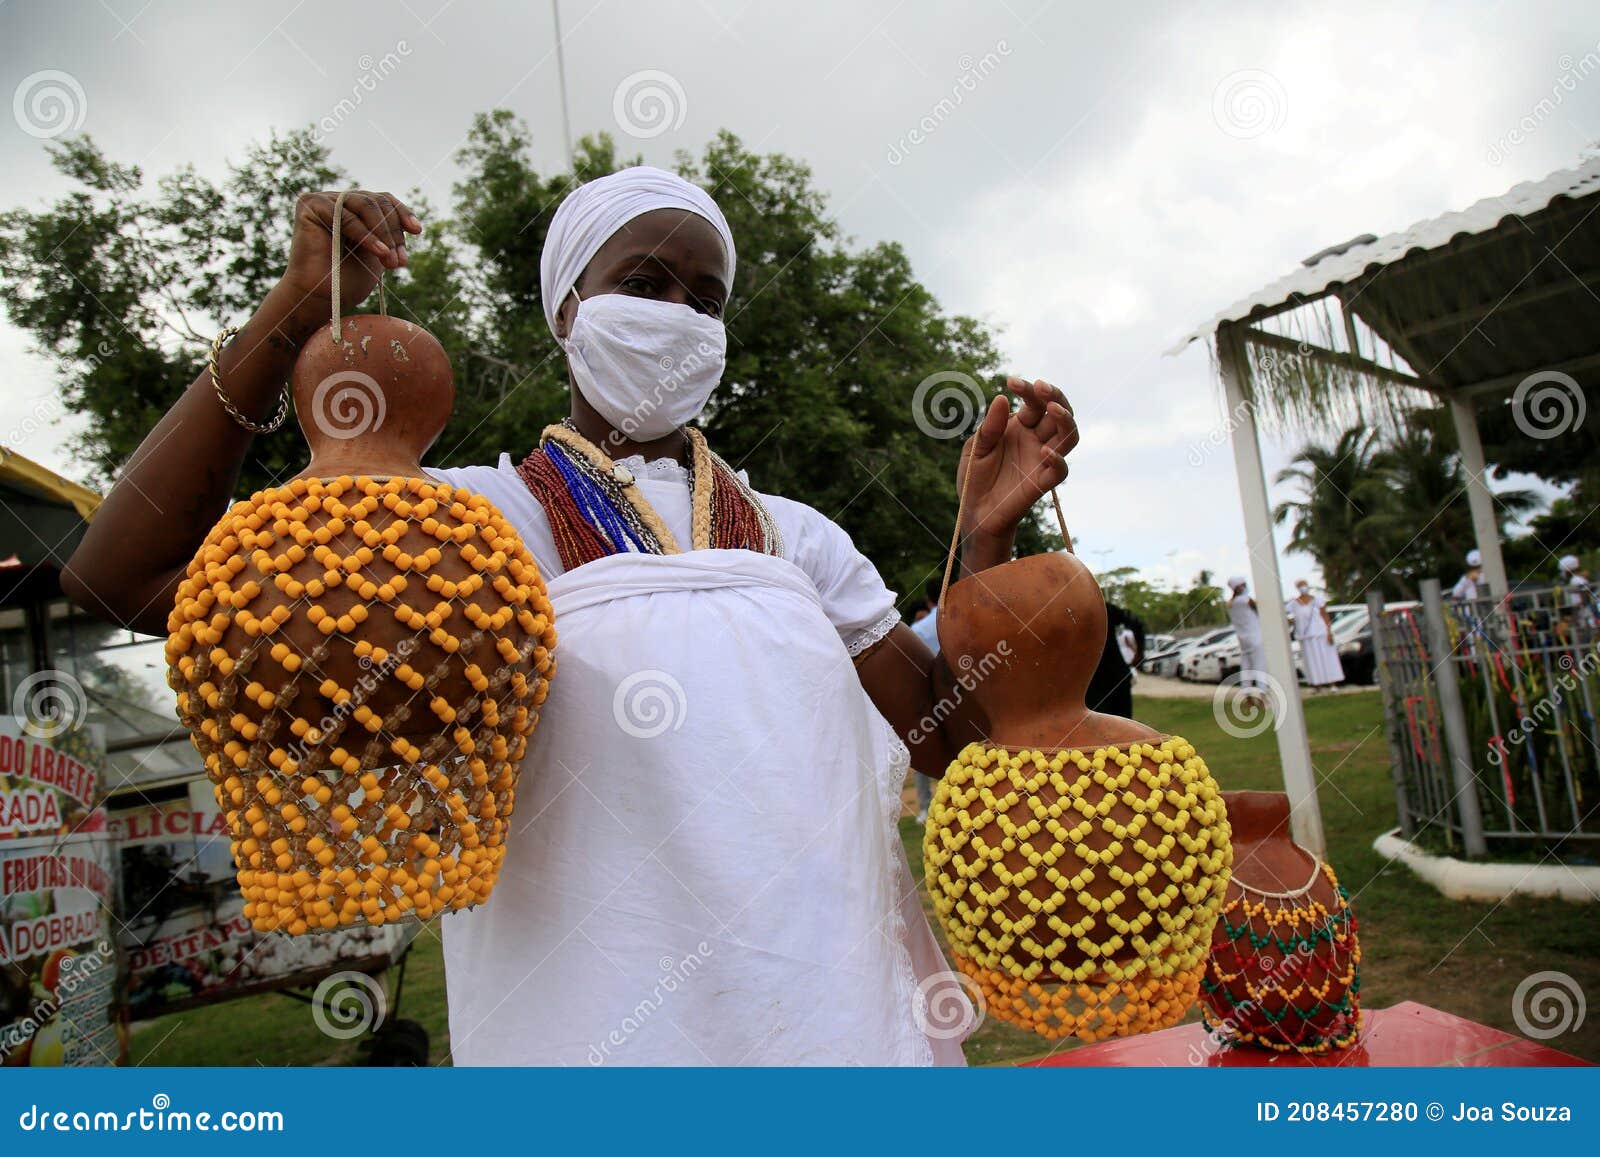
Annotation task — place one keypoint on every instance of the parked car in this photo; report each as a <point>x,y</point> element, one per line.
<point>1216,661</point>
<point>1354,640</point>
<point>1189,660</point>
<point>1165,663</point>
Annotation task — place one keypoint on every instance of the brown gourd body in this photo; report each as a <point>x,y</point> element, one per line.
<point>360,654</point>
<point>1076,859</point>
<point>1285,959</point>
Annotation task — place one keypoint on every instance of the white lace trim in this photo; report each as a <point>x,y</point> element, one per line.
<point>861,640</point>
<point>657,469</point>
<point>906,994</point>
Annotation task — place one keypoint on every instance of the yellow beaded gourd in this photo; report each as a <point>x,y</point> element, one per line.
<point>1079,888</point>
<point>360,661</point>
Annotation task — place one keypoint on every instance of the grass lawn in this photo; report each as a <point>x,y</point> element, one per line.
<point>1465,958</point>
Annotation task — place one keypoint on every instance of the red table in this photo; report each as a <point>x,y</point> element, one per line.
<point>1407,1034</point>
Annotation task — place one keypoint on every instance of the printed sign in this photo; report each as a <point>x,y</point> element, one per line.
<point>184,932</point>
<point>49,784</point>
<point>58,967</point>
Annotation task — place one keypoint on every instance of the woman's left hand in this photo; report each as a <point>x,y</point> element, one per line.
<point>1014,460</point>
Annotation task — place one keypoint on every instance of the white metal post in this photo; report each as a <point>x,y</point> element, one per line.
<point>1485,527</point>
<point>1294,746</point>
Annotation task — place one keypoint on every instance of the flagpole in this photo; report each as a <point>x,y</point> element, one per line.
<point>561,73</point>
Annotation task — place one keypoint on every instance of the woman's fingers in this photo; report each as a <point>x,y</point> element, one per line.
<point>412,223</point>
<point>370,222</point>
<point>382,211</point>
<point>1065,436</point>
<point>992,429</point>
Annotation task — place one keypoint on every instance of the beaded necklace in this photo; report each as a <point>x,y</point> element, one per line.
<point>596,509</point>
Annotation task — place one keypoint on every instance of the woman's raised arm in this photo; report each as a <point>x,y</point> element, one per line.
<point>181,478</point>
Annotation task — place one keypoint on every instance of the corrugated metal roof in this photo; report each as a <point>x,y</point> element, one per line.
<point>1343,266</point>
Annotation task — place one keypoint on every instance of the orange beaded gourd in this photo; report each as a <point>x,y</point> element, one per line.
<point>360,654</point>
<point>1285,967</point>
<point>1077,861</point>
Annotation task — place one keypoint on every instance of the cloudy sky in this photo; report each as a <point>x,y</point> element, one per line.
<point>1093,180</point>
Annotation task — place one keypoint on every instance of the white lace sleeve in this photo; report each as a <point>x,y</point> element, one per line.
<point>861,640</point>
<point>854,597</point>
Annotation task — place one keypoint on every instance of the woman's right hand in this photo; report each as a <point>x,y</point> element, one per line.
<point>372,238</point>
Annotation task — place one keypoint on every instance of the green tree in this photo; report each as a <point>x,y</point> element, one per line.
<point>1163,608</point>
<point>1385,513</point>
<point>123,284</point>
<point>1339,491</point>
<point>1426,521</point>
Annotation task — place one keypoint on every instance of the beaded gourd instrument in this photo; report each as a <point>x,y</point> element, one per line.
<point>1076,861</point>
<point>360,654</point>
<point>1285,966</point>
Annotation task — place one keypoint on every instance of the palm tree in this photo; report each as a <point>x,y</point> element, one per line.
<point>1340,492</point>
<point>1427,521</point>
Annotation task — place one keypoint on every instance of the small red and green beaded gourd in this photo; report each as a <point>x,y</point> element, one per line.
<point>1076,860</point>
<point>360,654</point>
<point>1285,966</point>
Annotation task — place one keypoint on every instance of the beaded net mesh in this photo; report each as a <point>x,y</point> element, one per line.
<point>361,662</point>
<point>1285,971</point>
<point>1079,888</point>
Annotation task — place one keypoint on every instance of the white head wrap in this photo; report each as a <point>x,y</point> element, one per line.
<point>1569,563</point>
<point>1474,558</point>
<point>1237,581</point>
<point>593,212</point>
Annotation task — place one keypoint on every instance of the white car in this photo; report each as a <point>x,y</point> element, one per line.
<point>1214,662</point>
<point>1191,655</point>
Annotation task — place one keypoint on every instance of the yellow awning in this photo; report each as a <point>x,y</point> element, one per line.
<point>29,475</point>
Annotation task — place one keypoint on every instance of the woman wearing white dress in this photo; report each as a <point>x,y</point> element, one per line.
<point>705,866</point>
<point>1314,630</point>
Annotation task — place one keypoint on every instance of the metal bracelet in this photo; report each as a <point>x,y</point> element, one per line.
<point>233,411</point>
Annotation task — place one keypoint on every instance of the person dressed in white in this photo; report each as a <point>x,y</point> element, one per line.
<point>710,870</point>
<point>1470,584</point>
<point>1578,594</point>
<point>1246,620</point>
<point>704,865</point>
<point>1128,644</point>
<point>1312,627</point>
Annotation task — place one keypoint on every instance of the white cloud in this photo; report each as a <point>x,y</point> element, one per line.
<point>1082,195</point>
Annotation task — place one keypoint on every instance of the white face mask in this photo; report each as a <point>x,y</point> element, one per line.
<point>647,366</point>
